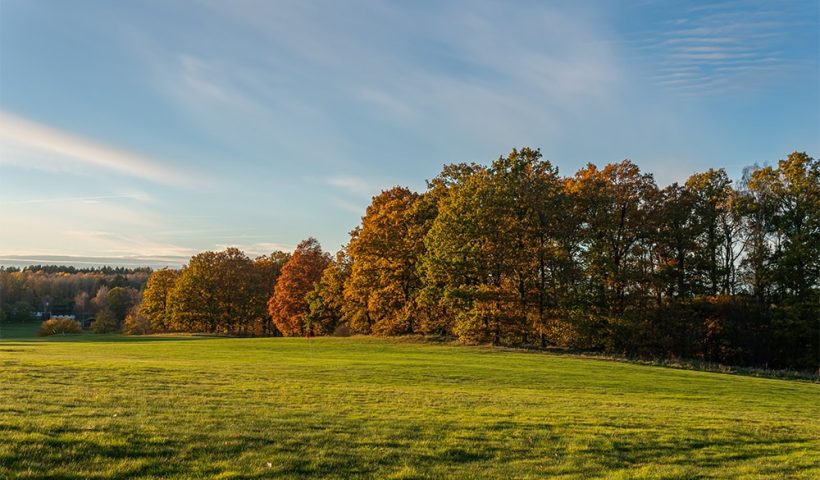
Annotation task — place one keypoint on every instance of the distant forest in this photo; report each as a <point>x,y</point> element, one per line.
<point>40,291</point>
<point>515,254</point>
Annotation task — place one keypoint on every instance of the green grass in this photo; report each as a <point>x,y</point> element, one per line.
<point>18,330</point>
<point>198,407</point>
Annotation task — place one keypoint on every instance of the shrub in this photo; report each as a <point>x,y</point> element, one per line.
<point>136,324</point>
<point>59,326</point>
<point>341,330</point>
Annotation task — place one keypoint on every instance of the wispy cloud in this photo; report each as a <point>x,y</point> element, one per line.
<point>723,46</point>
<point>118,244</point>
<point>91,261</point>
<point>256,249</point>
<point>89,199</point>
<point>443,74</point>
<point>348,206</point>
<point>25,143</point>
<point>352,185</point>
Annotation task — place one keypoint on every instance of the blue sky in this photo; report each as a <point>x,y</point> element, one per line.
<point>151,130</point>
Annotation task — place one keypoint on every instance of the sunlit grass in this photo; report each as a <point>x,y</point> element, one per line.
<point>196,407</point>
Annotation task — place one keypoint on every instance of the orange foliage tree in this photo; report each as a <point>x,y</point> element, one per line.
<point>288,305</point>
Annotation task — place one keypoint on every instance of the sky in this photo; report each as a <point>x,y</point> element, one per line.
<point>144,132</point>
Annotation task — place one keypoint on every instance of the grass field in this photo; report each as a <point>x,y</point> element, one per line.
<point>197,407</point>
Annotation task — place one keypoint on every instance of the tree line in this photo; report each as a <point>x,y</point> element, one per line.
<point>38,291</point>
<point>515,253</point>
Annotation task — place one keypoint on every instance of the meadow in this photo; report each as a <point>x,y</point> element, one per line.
<point>115,406</point>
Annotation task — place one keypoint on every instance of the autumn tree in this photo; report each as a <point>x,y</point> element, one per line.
<point>155,306</point>
<point>194,306</point>
<point>383,277</point>
<point>266,271</point>
<point>617,201</point>
<point>539,224</point>
<point>288,305</point>
<point>463,262</point>
<point>326,300</point>
<point>214,293</point>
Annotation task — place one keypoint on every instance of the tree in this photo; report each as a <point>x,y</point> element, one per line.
<point>266,271</point>
<point>217,292</point>
<point>326,301</point>
<point>715,231</point>
<point>617,200</point>
<point>194,307</point>
<point>288,305</point>
<point>155,306</point>
<point>674,242</point>
<point>383,278</point>
<point>759,205</point>
<point>100,300</point>
<point>235,292</point>
<point>783,218</point>
<point>105,322</point>
<point>461,264</point>
<point>119,302</point>
<point>136,324</point>
<point>490,261</point>
<point>797,222</point>
<point>81,302</point>
<point>21,311</point>
<point>540,227</point>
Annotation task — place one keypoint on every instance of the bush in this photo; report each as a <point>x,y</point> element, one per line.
<point>59,326</point>
<point>136,324</point>
<point>341,330</point>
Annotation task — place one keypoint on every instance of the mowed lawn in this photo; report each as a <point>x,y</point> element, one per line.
<point>197,407</point>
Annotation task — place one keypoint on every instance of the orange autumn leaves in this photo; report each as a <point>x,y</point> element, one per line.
<point>288,304</point>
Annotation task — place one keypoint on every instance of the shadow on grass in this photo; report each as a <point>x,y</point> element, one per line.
<point>68,455</point>
<point>197,456</point>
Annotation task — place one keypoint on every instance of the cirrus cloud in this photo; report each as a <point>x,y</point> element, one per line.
<point>25,143</point>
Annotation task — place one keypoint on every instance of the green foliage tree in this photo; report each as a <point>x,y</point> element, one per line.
<point>326,301</point>
<point>194,306</point>
<point>21,311</point>
<point>119,302</point>
<point>714,230</point>
<point>618,203</point>
<point>496,252</point>
<point>106,322</point>
<point>217,292</point>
